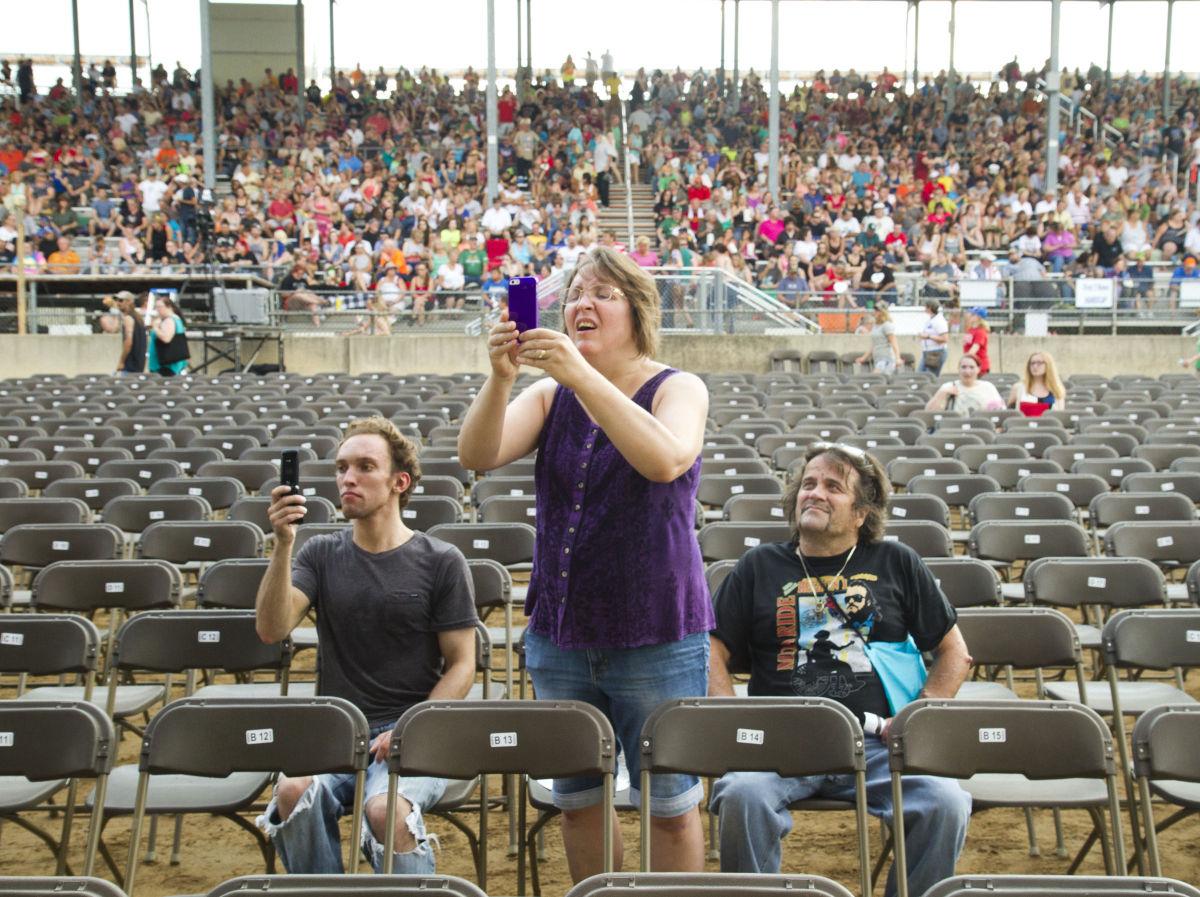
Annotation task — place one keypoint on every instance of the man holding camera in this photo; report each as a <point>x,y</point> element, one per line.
<point>395,617</point>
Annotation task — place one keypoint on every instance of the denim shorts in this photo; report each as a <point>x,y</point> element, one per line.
<point>625,684</point>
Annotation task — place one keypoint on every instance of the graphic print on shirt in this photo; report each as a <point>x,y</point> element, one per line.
<point>822,643</point>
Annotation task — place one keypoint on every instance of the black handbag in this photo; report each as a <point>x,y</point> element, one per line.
<point>175,351</point>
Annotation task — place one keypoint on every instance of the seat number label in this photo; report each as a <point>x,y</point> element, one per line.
<point>1097,582</point>
<point>6,739</point>
<point>260,736</point>
<point>114,588</point>
<point>750,736</point>
<point>502,739</point>
<point>202,542</point>
<point>211,636</point>
<point>1033,539</point>
<point>18,638</point>
<point>993,736</point>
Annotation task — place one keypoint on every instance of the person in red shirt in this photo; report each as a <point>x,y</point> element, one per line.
<point>976,343</point>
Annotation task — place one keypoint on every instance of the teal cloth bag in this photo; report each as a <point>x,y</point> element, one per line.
<point>901,669</point>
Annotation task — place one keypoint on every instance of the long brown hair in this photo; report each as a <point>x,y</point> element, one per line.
<point>872,488</point>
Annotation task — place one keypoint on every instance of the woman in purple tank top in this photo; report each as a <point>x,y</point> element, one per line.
<point>618,608</point>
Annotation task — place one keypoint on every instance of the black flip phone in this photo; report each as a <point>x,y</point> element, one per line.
<point>289,470</point>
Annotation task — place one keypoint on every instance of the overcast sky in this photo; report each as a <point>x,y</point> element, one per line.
<point>655,33</point>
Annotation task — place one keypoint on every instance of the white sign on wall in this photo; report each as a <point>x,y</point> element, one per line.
<point>1094,292</point>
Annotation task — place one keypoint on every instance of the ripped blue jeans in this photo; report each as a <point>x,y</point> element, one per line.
<point>308,841</point>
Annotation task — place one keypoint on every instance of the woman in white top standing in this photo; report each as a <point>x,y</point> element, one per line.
<point>934,336</point>
<point>1039,385</point>
<point>968,394</point>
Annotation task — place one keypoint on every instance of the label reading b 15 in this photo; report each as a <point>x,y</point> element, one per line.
<point>993,736</point>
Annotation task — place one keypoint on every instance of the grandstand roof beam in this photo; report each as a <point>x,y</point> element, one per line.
<point>1053,79</point>
<point>773,107</point>
<point>208,111</point>
<point>77,60</point>
<point>493,178</point>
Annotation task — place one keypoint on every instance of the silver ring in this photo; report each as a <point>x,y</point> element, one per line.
<point>543,354</point>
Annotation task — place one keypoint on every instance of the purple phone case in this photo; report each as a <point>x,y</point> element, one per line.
<point>522,303</point>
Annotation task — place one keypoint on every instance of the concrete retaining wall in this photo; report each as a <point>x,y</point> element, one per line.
<point>21,356</point>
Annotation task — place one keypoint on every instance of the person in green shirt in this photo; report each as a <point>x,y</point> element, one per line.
<point>473,261</point>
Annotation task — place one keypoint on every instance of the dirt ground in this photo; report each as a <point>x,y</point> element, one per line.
<point>215,849</point>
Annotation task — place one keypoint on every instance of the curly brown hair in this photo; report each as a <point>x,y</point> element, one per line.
<point>401,449</point>
<point>872,488</point>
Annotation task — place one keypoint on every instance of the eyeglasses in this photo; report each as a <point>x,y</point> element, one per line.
<point>601,292</point>
<point>1034,361</point>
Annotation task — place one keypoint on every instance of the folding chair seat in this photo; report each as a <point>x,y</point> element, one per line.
<point>1186,465</point>
<point>1121,443</point>
<point>439,485</point>
<point>749,430</point>
<point>931,419</point>
<point>51,446</point>
<point>120,587</point>
<point>132,514</point>
<point>1009,471</point>
<point>1012,754</point>
<point>16,436</point>
<point>726,414</point>
<point>35,545</point>
<point>1169,544</point>
<point>725,540</point>
<point>965,581</point>
<point>180,435</point>
<point>714,439</point>
<point>230,448</point>
<point>1113,424</point>
<point>911,506</point>
<point>926,538</point>
<point>1024,638</point>
<point>219,492</point>
<point>1033,441</point>
<point>140,446</point>
<point>716,489</point>
<point>310,487</point>
<point>40,474</point>
<point>1066,455</point>
<point>192,543</point>
<point>1004,542</point>
<point>1112,470</point>
<point>955,489</point>
<point>447,467</point>
<point>885,454</point>
<point>901,470</point>
<point>1078,488</point>
<point>252,429</point>
<point>502,509</point>
<point>509,544</point>
<point>13,488</point>
<point>251,474</point>
<point>253,509</point>
<point>1171,481</point>
<point>231,584</point>
<point>237,745</point>
<point>90,459</point>
<point>324,446</point>
<point>342,886</point>
<point>873,442</point>
<point>732,452</point>
<point>462,740</point>
<point>1117,507</point>
<point>189,459</point>
<point>1163,455</point>
<point>734,467</point>
<point>752,508</point>
<point>906,431</point>
<point>84,746</point>
<point>1165,764</point>
<point>313,467</point>
<point>15,511</point>
<point>1058,886</point>
<point>145,473</point>
<point>425,511</point>
<point>791,737</point>
<point>949,441</point>
<point>9,455</point>
<point>1020,506</point>
<point>522,467</point>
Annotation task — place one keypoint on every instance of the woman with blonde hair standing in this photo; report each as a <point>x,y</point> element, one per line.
<point>619,612</point>
<point>1039,385</point>
<point>885,351</point>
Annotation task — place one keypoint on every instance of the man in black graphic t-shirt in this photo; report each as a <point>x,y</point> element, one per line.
<point>805,618</point>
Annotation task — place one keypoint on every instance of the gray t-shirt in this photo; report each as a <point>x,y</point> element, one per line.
<point>880,347</point>
<point>378,616</point>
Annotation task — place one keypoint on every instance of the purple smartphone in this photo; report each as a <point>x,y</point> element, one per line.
<point>522,303</point>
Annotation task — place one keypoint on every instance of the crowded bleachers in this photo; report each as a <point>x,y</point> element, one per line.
<point>155,528</point>
<point>884,193</point>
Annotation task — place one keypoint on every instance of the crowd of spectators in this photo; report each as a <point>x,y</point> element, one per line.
<point>380,192</point>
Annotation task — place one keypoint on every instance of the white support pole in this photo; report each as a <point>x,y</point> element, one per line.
<point>208,106</point>
<point>493,176</point>
<point>773,107</point>
<point>1053,79</point>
